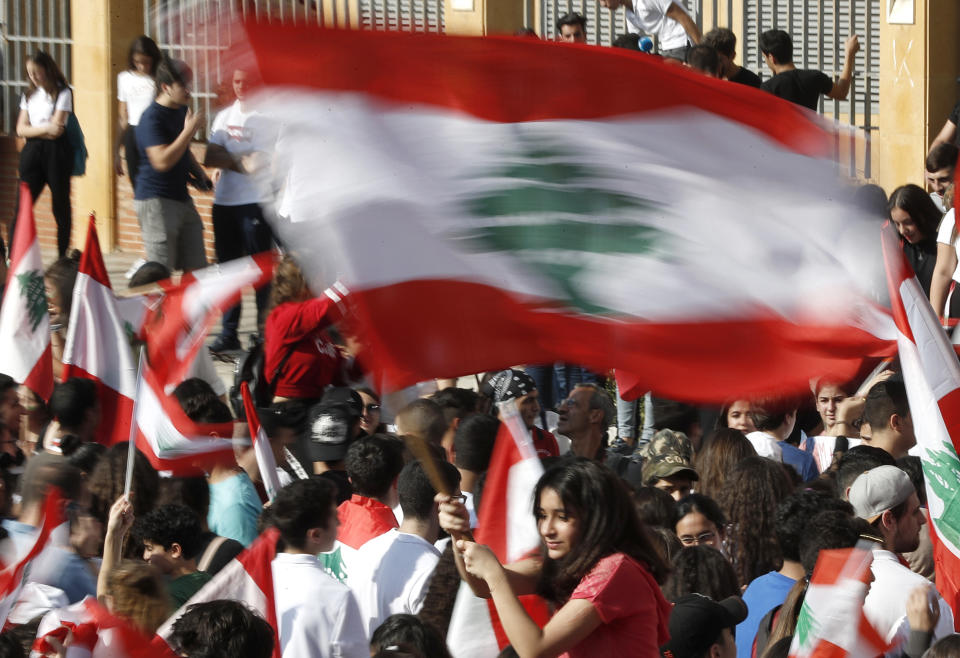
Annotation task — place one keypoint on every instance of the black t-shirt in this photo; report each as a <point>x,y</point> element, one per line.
<point>746,77</point>
<point>228,549</point>
<point>955,114</point>
<point>800,86</point>
<point>161,125</point>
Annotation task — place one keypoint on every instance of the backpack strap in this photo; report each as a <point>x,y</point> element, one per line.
<point>210,551</point>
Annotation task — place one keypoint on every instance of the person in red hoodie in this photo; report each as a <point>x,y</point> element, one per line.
<point>373,464</point>
<point>300,359</point>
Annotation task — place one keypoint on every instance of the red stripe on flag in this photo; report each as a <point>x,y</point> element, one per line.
<point>502,330</point>
<point>26,233</point>
<point>91,260</point>
<point>514,80</point>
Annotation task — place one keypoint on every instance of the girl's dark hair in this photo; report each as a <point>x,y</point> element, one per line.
<point>55,81</point>
<point>705,505</point>
<point>144,45</point>
<point>608,524</point>
<point>913,200</point>
<point>722,450</point>
<point>749,498</point>
<point>701,570</point>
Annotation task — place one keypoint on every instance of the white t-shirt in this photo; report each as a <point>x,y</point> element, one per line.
<point>316,615</point>
<point>650,17</point>
<point>944,233</point>
<point>886,604</point>
<point>240,133</point>
<point>766,445</point>
<point>41,107</point>
<point>137,91</point>
<point>391,576</point>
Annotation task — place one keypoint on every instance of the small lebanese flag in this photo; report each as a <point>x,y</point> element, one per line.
<point>167,436</point>
<point>261,446</point>
<point>931,375</point>
<point>11,578</point>
<point>97,345</point>
<point>831,622</point>
<point>87,628</point>
<point>505,524</point>
<point>24,320</point>
<point>175,330</point>
<point>248,578</point>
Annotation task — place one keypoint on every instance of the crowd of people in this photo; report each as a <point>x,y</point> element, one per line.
<point>665,528</point>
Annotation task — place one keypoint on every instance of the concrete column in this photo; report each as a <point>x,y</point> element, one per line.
<point>918,71</point>
<point>102,32</point>
<point>481,17</point>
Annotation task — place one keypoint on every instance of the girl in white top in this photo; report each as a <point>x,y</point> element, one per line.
<point>46,158</point>
<point>136,89</point>
<point>946,272</point>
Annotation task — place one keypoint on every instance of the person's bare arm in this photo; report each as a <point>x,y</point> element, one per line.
<point>942,277</point>
<point>164,156</point>
<point>456,521</point>
<point>677,13</point>
<point>219,157</point>
<point>119,523</point>
<point>50,130</point>
<point>568,627</point>
<point>122,121</point>
<point>842,86</point>
<point>946,135</point>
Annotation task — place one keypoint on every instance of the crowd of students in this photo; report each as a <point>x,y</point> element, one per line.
<point>698,539</point>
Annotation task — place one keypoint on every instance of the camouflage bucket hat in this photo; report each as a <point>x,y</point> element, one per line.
<point>668,442</point>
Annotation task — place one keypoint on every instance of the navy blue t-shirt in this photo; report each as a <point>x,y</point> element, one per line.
<point>161,125</point>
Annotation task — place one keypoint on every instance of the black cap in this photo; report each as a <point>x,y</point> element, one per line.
<point>342,396</point>
<point>697,621</point>
<point>329,431</point>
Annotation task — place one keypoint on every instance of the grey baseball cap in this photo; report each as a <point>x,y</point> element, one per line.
<point>878,490</point>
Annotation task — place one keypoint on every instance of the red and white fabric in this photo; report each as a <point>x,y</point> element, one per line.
<point>24,319</point>
<point>261,446</point>
<point>931,374</point>
<point>507,526</point>
<point>526,206</point>
<point>98,345</point>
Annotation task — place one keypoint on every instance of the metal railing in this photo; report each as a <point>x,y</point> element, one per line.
<point>24,28</point>
<point>200,31</point>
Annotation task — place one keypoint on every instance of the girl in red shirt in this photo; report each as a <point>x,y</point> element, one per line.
<point>598,569</point>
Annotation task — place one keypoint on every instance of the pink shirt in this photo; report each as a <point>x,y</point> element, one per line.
<point>631,606</point>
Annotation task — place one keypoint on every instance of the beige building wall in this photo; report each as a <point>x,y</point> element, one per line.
<point>102,32</point>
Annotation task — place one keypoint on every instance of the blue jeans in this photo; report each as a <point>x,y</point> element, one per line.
<point>240,231</point>
<point>627,417</point>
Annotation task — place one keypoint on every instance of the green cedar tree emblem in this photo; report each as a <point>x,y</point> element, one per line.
<point>332,563</point>
<point>942,471</point>
<point>807,626</point>
<point>552,214</point>
<point>31,289</point>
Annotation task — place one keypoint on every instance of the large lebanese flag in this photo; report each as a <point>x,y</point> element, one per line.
<point>529,202</point>
<point>97,345</point>
<point>931,374</point>
<point>24,320</point>
<point>506,524</point>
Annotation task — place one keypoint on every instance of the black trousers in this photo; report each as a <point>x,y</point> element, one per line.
<point>241,231</point>
<point>48,162</point>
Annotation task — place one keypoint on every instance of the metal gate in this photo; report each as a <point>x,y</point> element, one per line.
<point>199,31</point>
<point>24,28</point>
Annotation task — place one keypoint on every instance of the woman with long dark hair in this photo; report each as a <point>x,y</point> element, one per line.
<point>136,89</point>
<point>916,217</point>
<point>47,157</point>
<point>598,569</point>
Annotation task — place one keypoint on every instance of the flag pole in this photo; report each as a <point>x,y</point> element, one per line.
<point>132,444</point>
